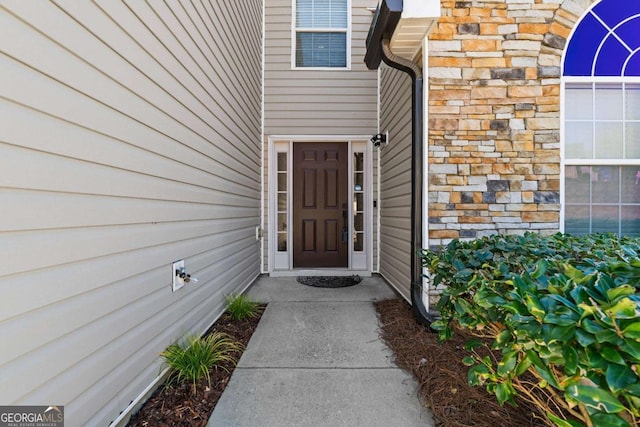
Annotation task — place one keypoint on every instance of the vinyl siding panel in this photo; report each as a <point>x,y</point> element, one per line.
<point>317,102</point>
<point>395,180</point>
<point>129,138</point>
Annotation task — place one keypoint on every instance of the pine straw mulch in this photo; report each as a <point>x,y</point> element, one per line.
<point>176,405</point>
<point>442,376</point>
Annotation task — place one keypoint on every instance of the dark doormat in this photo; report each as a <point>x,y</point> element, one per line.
<point>329,281</point>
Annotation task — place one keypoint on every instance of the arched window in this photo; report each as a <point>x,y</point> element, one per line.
<point>601,143</point>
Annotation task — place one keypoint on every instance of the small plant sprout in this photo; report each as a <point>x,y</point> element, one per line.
<point>198,355</point>
<point>241,307</point>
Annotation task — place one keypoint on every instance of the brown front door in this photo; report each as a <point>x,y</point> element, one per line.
<point>320,205</point>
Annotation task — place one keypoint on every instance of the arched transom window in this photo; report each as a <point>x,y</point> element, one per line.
<point>601,149</point>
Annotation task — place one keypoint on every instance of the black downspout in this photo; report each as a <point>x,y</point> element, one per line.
<point>417,166</point>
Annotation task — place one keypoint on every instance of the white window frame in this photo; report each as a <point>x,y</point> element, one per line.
<point>564,161</point>
<point>295,30</point>
<point>280,260</point>
<point>593,80</point>
<point>361,260</point>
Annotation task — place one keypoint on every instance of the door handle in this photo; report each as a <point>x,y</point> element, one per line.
<point>345,231</point>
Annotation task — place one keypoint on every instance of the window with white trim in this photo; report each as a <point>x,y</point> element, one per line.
<point>601,82</point>
<point>321,33</point>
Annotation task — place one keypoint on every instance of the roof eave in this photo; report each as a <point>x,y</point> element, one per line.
<point>406,23</point>
<point>383,25</point>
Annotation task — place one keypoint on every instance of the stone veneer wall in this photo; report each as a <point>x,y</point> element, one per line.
<point>494,116</point>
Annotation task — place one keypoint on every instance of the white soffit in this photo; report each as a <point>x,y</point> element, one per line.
<point>418,17</point>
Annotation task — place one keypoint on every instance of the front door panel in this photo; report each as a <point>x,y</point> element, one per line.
<point>320,174</point>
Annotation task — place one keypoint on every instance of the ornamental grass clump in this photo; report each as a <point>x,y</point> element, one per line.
<point>193,360</point>
<point>561,314</point>
<point>241,307</point>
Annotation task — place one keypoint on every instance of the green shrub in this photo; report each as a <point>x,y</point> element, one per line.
<point>192,361</point>
<point>241,307</point>
<point>562,310</point>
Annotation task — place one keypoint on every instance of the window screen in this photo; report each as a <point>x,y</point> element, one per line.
<point>321,33</point>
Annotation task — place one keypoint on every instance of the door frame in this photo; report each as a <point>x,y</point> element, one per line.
<point>280,263</point>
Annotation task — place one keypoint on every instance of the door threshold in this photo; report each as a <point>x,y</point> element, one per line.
<point>319,272</point>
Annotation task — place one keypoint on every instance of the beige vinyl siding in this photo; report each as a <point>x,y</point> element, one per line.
<point>317,102</point>
<point>129,138</point>
<point>395,180</point>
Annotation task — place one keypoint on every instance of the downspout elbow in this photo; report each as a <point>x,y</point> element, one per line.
<point>398,62</point>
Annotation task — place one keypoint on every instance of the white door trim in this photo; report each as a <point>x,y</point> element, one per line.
<point>280,263</point>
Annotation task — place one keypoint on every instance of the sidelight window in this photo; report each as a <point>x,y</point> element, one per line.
<point>358,202</point>
<point>282,201</point>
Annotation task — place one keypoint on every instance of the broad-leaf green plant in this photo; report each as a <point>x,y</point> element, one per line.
<point>198,355</point>
<point>241,307</point>
<point>563,313</point>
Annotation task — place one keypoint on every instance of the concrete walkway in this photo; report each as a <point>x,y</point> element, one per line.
<point>316,360</point>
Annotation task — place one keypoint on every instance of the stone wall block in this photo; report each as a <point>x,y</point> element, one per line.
<point>489,197</point>
<point>445,73</point>
<point>550,184</point>
<point>455,180</point>
<point>441,234</point>
<point>549,71</point>
<point>449,94</point>
<point>479,45</point>
<point>481,169</point>
<point>445,46</point>
<point>530,91</point>
<point>488,92</point>
<point>466,197</point>
<point>449,61</point>
<point>508,73</point>
<point>503,169</point>
<point>471,234</point>
<point>560,29</point>
<point>533,28</point>
<point>543,123</point>
<point>443,124</point>
<point>499,124</point>
<point>498,185</point>
<point>472,28</point>
<point>476,73</point>
<point>546,197</point>
<point>547,60</point>
<point>516,124</point>
<point>522,45</point>
<point>554,41</point>
<point>540,216</point>
<point>488,62</point>
<point>525,106</point>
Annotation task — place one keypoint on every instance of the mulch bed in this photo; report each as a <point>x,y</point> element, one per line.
<point>442,376</point>
<point>436,366</point>
<point>176,405</point>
